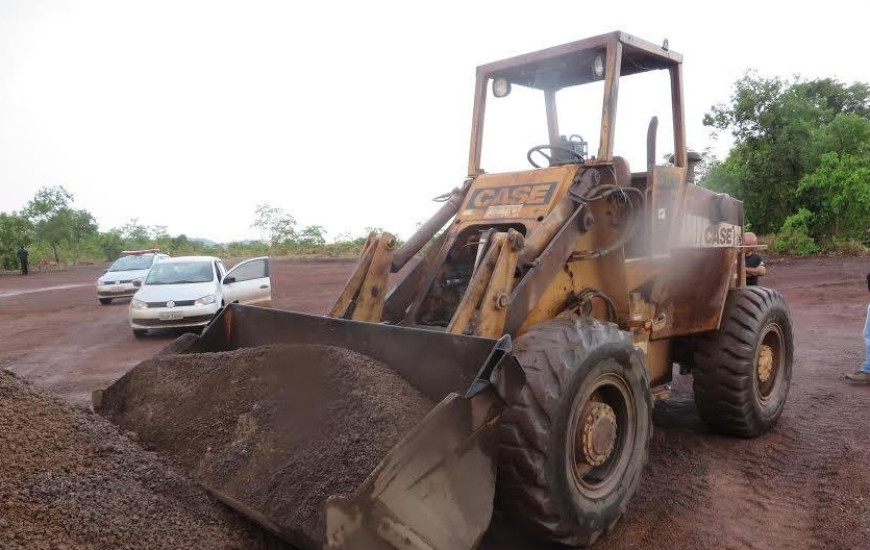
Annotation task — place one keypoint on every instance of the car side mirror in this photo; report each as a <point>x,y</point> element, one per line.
<point>105,271</point>
<point>137,283</point>
<point>229,279</point>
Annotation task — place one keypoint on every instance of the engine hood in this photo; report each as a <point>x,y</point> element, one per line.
<point>187,291</point>
<point>115,276</point>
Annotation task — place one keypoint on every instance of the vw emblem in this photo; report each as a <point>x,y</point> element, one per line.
<point>170,303</point>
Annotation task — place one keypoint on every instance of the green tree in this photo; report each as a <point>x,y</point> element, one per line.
<point>180,244</point>
<point>838,194</point>
<point>56,222</point>
<point>112,243</point>
<point>781,128</point>
<point>312,235</point>
<point>835,97</point>
<point>15,231</point>
<point>794,237</point>
<point>275,224</point>
<point>135,235</point>
<point>846,133</point>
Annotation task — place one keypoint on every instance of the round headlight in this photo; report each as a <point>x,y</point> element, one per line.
<point>501,87</point>
<point>598,66</point>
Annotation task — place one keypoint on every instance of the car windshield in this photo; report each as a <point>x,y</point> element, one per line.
<point>132,263</point>
<point>176,273</point>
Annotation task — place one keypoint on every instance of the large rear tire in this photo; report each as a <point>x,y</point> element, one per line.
<point>573,448</point>
<point>742,371</point>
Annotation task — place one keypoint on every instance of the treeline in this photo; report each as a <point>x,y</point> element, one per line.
<point>800,161</point>
<point>55,232</point>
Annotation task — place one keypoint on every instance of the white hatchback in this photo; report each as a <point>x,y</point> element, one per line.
<point>188,291</point>
<point>117,281</point>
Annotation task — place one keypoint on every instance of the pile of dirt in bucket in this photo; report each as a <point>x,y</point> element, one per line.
<point>70,480</point>
<point>277,428</point>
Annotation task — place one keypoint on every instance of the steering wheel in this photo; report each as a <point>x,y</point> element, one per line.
<point>553,148</point>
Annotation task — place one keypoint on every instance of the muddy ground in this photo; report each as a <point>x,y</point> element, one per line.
<point>804,485</point>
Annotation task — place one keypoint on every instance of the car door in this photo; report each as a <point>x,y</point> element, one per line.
<point>249,283</point>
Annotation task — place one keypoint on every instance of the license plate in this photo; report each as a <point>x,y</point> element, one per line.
<point>116,290</point>
<point>170,316</point>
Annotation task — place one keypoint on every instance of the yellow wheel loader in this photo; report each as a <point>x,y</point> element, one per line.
<point>542,311</point>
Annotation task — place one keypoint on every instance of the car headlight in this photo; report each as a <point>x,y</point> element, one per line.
<point>138,304</point>
<point>204,301</point>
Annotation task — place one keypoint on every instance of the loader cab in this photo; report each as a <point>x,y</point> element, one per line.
<point>595,64</point>
<point>577,85</point>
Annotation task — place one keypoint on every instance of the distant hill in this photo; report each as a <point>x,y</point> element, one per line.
<point>205,242</point>
<point>210,243</point>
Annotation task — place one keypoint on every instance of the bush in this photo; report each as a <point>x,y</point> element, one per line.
<point>794,236</point>
<point>846,247</point>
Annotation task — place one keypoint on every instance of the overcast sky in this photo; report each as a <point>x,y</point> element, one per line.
<point>189,113</point>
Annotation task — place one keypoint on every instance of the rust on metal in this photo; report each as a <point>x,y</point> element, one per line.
<point>372,294</point>
<point>403,293</point>
<point>597,432</point>
<point>477,286</point>
<point>492,314</point>
<point>765,363</point>
<point>351,288</point>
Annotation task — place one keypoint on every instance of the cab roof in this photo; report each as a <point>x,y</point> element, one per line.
<point>570,64</point>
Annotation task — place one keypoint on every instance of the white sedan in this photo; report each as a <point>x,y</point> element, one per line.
<point>117,281</point>
<point>188,291</point>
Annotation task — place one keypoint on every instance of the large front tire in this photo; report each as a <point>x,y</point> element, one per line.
<point>573,448</point>
<point>742,371</point>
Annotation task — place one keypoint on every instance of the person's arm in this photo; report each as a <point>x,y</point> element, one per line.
<point>759,271</point>
<point>758,268</point>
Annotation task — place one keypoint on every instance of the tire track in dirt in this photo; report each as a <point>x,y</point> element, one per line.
<point>13,293</point>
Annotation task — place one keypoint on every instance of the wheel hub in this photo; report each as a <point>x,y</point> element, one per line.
<point>598,433</point>
<point>765,363</point>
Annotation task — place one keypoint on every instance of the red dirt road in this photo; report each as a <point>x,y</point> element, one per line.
<point>62,338</point>
<point>805,485</point>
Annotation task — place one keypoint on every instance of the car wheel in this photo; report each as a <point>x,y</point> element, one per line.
<point>139,332</point>
<point>105,301</point>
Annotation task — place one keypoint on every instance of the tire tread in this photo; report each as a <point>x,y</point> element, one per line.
<point>724,366</point>
<point>524,493</point>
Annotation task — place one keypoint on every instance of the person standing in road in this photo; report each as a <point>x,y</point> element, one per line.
<point>22,258</point>
<point>863,374</point>
<point>754,262</point>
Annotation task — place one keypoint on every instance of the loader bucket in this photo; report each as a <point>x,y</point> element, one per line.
<point>433,489</point>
